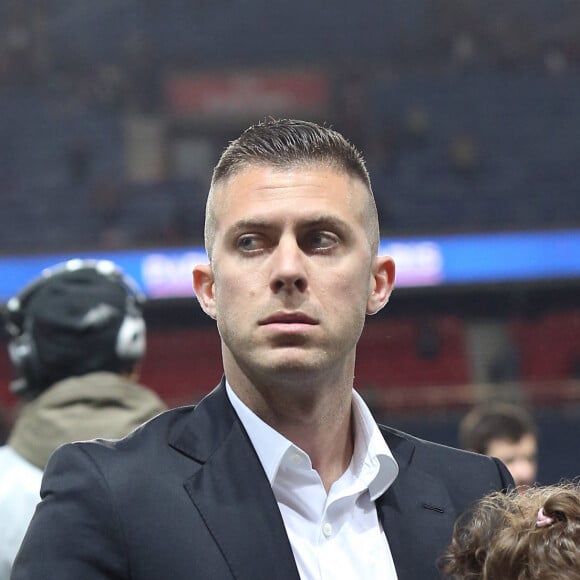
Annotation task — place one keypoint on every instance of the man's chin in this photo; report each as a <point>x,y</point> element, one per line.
<point>293,363</point>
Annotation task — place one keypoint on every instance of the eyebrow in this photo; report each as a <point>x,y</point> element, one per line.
<point>323,220</point>
<point>327,220</point>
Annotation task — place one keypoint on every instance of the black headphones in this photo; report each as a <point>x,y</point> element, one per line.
<point>130,342</point>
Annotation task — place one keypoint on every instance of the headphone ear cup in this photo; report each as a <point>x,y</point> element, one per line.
<point>131,339</point>
<point>23,355</point>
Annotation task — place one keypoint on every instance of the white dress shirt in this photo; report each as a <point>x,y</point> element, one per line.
<point>336,535</point>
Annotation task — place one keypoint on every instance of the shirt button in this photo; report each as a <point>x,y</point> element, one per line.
<point>327,529</point>
<point>296,458</point>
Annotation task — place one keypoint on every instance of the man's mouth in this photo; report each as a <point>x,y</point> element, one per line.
<point>288,318</point>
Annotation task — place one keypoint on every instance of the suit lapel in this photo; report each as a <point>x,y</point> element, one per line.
<point>416,513</point>
<point>232,493</point>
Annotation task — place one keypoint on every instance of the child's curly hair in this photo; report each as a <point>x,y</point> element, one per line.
<point>503,537</point>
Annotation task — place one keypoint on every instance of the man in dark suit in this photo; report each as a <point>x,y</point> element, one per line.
<point>281,472</point>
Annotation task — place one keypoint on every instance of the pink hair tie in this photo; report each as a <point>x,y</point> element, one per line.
<point>543,520</point>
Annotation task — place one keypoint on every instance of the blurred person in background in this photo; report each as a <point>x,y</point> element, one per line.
<point>506,431</point>
<point>4,429</point>
<point>77,337</point>
<point>533,534</point>
<point>280,472</point>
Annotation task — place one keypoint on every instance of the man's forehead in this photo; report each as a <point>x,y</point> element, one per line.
<point>267,179</point>
<point>527,440</point>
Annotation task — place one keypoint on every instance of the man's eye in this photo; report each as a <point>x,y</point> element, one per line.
<point>249,243</point>
<point>323,240</point>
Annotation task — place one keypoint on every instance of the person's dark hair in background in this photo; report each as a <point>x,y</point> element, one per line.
<point>506,431</point>
<point>77,337</point>
<point>529,535</point>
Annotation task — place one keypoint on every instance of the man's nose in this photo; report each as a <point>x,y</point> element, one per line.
<point>288,267</point>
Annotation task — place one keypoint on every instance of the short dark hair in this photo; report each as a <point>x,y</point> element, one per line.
<point>286,142</point>
<point>282,143</point>
<point>492,422</point>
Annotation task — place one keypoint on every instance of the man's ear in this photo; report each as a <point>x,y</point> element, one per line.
<point>382,283</point>
<point>203,286</point>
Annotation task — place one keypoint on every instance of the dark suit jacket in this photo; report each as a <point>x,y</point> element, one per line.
<point>185,497</point>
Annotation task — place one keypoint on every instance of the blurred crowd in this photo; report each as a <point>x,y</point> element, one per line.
<point>459,107</point>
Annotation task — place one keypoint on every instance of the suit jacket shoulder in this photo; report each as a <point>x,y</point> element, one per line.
<point>183,497</point>
<point>434,486</point>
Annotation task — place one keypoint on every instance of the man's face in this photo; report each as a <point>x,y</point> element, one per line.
<point>520,457</point>
<point>293,274</point>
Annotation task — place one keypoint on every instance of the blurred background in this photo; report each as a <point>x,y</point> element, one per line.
<point>113,113</point>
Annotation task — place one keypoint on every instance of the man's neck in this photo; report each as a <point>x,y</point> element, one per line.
<point>318,419</point>
<point>329,445</point>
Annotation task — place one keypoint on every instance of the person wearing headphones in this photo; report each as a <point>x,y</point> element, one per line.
<point>77,337</point>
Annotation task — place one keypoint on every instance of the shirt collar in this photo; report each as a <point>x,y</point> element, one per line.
<point>371,451</point>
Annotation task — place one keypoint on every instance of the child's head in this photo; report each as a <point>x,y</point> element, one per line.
<point>534,534</point>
